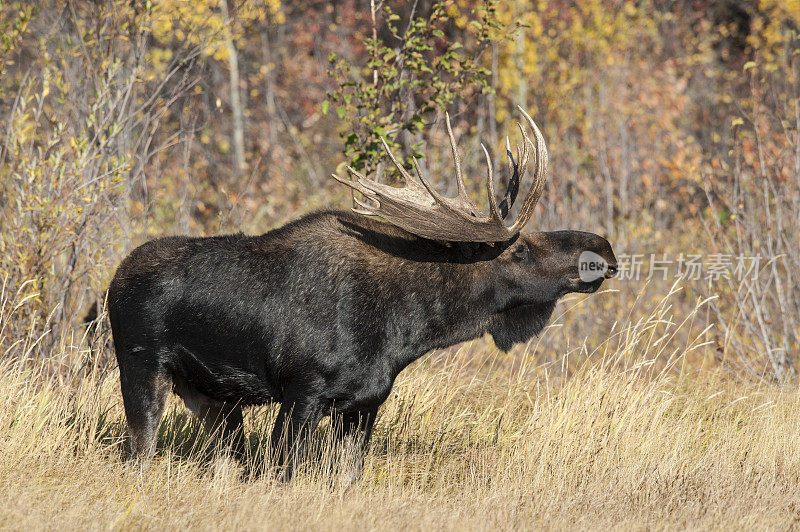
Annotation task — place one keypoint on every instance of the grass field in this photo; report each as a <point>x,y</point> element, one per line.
<point>470,438</point>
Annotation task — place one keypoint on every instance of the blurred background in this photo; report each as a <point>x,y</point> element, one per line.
<point>672,128</point>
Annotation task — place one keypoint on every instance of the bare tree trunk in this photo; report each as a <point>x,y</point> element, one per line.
<point>492,105</point>
<point>493,112</point>
<point>236,104</point>
<point>522,86</point>
<point>374,38</point>
<point>272,117</point>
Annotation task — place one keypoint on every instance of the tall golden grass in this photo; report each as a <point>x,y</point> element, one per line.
<point>470,438</point>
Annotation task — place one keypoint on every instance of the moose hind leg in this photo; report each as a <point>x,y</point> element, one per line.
<point>145,388</point>
<point>225,421</point>
<point>222,420</point>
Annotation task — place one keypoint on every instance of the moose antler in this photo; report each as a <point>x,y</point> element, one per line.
<point>419,209</point>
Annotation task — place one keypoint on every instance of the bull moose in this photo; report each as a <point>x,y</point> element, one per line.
<point>322,314</point>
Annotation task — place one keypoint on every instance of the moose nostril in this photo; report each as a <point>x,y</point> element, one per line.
<point>611,271</point>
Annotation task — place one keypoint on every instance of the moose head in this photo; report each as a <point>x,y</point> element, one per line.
<point>529,271</point>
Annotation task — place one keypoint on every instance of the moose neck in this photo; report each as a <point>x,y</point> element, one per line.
<point>464,300</point>
<point>444,294</point>
<point>457,301</point>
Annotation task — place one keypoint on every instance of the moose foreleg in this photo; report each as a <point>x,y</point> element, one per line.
<point>355,432</point>
<point>296,421</point>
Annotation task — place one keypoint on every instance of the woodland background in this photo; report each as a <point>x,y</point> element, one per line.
<point>673,128</point>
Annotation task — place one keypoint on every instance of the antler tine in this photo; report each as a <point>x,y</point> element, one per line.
<point>524,150</point>
<point>432,191</point>
<point>539,179</point>
<point>462,190</point>
<point>407,179</point>
<point>493,214</point>
<point>365,207</point>
<point>513,181</point>
<point>516,170</point>
<point>355,185</point>
<point>361,185</point>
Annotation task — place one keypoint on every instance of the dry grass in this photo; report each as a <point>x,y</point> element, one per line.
<point>469,439</point>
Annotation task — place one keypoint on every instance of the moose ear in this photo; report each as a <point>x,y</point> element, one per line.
<point>520,253</point>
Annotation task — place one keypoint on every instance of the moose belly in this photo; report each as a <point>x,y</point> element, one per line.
<point>229,379</point>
